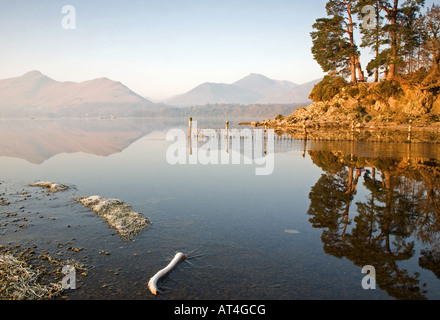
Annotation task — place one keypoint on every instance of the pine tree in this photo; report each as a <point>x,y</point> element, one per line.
<point>373,36</point>
<point>334,46</point>
<point>329,47</point>
<point>399,18</point>
<point>410,37</point>
<point>430,23</point>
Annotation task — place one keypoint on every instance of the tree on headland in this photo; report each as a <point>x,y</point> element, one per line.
<point>329,47</point>
<point>399,18</point>
<point>395,37</point>
<point>403,40</point>
<point>430,28</point>
<point>334,45</point>
<point>373,37</point>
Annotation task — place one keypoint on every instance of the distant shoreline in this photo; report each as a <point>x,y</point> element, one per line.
<point>346,132</point>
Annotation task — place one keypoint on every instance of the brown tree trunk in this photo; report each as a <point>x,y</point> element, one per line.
<point>376,72</point>
<point>353,70</point>
<point>392,72</point>
<point>354,60</point>
<point>436,62</point>
<point>359,69</point>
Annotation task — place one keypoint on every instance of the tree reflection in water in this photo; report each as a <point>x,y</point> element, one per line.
<point>402,207</point>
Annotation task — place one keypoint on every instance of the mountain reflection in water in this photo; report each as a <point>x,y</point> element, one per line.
<point>402,206</point>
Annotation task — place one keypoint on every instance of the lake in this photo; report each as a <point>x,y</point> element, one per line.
<point>303,231</point>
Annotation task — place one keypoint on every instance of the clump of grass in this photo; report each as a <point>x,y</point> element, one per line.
<point>52,187</point>
<point>127,222</point>
<point>19,281</point>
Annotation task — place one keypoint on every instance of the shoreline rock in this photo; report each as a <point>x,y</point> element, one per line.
<point>357,132</point>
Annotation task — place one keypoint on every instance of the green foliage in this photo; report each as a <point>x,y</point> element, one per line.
<point>430,31</point>
<point>415,78</point>
<point>389,88</point>
<point>334,47</point>
<point>327,88</point>
<point>402,39</point>
<point>353,91</point>
<point>329,46</point>
<point>363,91</point>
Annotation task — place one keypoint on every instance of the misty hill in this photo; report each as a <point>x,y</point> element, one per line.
<point>298,94</point>
<point>35,94</point>
<point>264,85</point>
<point>254,111</point>
<point>253,89</point>
<point>215,93</point>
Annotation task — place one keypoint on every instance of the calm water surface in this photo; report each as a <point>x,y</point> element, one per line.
<point>303,232</point>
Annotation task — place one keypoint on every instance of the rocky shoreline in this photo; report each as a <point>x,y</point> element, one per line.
<point>358,113</point>
<point>43,230</point>
<point>353,131</point>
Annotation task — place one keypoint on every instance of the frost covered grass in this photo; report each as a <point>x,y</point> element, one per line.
<point>18,281</point>
<point>127,222</point>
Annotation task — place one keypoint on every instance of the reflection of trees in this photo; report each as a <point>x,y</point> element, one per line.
<point>382,228</point>
<point>428,221</point>
<point>402,205</point>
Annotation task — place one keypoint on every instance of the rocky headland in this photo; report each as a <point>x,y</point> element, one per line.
<point>387,111</point>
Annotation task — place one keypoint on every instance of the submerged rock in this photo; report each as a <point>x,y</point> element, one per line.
<point>121,217</point>
<point>52,187</point>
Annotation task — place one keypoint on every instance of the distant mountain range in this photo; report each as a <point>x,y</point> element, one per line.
<point>253,89</point>
<point>36,95</point>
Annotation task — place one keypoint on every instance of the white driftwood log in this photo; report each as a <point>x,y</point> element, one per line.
<point>152,284</point>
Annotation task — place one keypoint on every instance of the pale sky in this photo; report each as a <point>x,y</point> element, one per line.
<point>159,48</point>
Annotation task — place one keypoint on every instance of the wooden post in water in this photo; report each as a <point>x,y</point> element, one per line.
<point>189,127</point>
<point>227,137</point>
<point>304,147</point>
<point>305,140</point>
<point>189,136</point>
<point>265,139</point>
<point>409,131</point>
<point>305,130</point>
